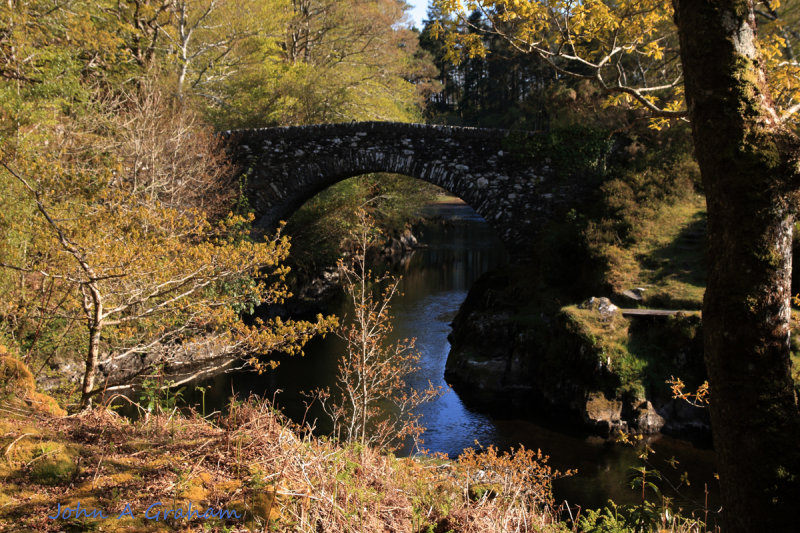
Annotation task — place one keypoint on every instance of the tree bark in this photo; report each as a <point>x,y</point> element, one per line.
<point>92,356</point>
<point>93,306</point>
<point>748,165</point>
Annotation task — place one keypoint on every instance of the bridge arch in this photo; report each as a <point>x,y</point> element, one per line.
<point>488,169</point>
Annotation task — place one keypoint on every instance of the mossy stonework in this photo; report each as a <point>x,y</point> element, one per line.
<point>748,165</point>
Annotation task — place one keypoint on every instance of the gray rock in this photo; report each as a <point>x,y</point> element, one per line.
<point>602,306</point>
<point>647,419</point>
<point>633,294</point>
<point>408,240</point>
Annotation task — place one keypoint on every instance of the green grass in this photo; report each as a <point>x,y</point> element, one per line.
<point>643,355</point>
<point>666,257</point>
<point>609,340</point>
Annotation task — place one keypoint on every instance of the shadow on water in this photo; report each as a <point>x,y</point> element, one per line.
<point>457,248</point>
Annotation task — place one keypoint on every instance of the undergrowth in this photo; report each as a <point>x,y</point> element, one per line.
<point>274,474</point>
<point>270,474</point>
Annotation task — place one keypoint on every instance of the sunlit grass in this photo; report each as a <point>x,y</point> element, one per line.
<point>666,257</point>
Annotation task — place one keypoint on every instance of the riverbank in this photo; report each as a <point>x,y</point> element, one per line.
<point>455,251</point>
<point>549,331</point>
<point>251,470</point>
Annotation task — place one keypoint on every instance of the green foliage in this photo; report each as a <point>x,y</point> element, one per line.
<point>611,519</point>
<point>326,61</point>
<point>643,517</point>
<point>157,394</point>
<point>504,88</point>
<point>572,150</point>
<point>640,356</point>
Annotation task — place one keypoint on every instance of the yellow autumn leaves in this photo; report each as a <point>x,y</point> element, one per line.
<point>628,47</point>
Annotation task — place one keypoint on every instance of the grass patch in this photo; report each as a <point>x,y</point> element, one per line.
<point>608,339</point>
<point>642,354</point>
<point>18,388</point>
<point>665,255</point>
<point>276,475</point>
<point>53,464</point>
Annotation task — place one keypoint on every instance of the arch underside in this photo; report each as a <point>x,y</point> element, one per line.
<point>312,178</point>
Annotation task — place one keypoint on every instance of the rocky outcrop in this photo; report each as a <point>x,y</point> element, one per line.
<point>400,246</point>
<point>533,360</point>
<point>178,363</point>
<point>604,415</point>
<point>602,306</point>
<point>609,416</point>
<point>647,418</point>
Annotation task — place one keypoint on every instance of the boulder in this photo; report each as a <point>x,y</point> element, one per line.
<point>400,244</point>
<point>408,240</point>
<point>604,415</point>
<point>634,294</point>
<point>647,419</point>
<point>602,306</point>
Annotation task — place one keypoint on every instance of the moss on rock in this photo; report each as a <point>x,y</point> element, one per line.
<point>18,385</point>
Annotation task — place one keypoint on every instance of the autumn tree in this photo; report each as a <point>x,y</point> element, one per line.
<point>145,264</point>
<point>118,203</point>
<point>740,93</point>
<point>200,44</point>
<point>212,39</point>
<point>371,402</point>
<point>102,126</point>
<point>52,58</point>
<point>332,62</point>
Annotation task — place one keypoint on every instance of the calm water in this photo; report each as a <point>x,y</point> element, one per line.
<point>435,282</point>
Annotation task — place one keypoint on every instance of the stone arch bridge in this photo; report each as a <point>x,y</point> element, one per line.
<point>491,170</point>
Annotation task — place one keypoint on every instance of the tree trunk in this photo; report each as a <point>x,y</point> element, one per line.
<point>92,356</point>
<point>747,161</point>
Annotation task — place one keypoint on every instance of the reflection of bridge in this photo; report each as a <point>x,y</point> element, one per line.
<point>491,170</point>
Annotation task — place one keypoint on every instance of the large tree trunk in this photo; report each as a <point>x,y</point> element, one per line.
<point>748,165</point>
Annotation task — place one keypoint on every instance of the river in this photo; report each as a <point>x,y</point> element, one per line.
<point>455,252</point>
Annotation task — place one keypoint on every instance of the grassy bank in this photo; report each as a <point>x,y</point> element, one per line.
<point>250,469</point>
<point>251,462</point>
<point>253,470</point>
